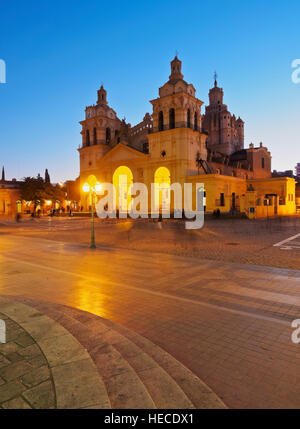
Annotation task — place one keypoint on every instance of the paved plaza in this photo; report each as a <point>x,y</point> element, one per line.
<point>218,301</point>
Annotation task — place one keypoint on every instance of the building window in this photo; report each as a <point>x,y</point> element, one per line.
<point>196,121</point>
<point>222,200</point>
<point>146,147</point>
<point>233,201</point>
<point>107,135</point>
<point>188,118</point>
<point>171,119</point>
<point>95,136</point>
<point>87,138</point>
<point>161,121</point>
<point>263,163</point>
<point>268,202</point>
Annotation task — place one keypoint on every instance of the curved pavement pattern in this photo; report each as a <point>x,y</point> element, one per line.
<point>59,357</point>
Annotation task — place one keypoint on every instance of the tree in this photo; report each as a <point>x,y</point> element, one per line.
<point>32,189</point>
<point>54,192</point>
<point>47,176</point>
<point>37,190</point>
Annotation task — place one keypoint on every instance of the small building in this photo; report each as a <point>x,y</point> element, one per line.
<point>298,196</point>
<point>10,201</point>
<point>297,171</point>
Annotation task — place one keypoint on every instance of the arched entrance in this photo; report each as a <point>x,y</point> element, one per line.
<point>162,178</point>
<point>122,180</point>
<point>19,206</point>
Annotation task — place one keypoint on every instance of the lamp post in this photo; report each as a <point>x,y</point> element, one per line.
<point>92,187</point>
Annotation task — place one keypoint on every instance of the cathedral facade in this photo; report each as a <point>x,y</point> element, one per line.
<point>178,143</point>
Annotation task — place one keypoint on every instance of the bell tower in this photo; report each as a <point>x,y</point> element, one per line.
<point>177,123</point>
<point>225,132</point>
<point>176,106</point>
<point>176,69</point>
<point>216,94</point>
<point>102,93</point>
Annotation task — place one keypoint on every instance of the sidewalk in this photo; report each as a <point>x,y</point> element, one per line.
<point>73,359</point>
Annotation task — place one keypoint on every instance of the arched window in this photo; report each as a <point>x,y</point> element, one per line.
<point>95,136</point>
<point>107,139</point>
<point>87,138</point>
<point>171,119</point>
<point>263,163</point>
<point>122,180</point>
<point>196,121</point>
<point>161,121</point>
<point>189,118</point>
<point>162,196</point>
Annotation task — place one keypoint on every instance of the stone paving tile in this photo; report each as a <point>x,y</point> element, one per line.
<point>36,376</point>
<point>62,349</point>
<point>41,396</point>
<point>25,375</point>
<point>3,361</point>
<point>14,357</point>
<point>41,327</point>
<point>37,361</point>
<point>10,390</point>
<point>15,370</point>
<point>19,372</point>
<point>30,351</point>
<point>24,340</point>
<point>9,347</point>
<point>77,386</point>
<point>18,403</point>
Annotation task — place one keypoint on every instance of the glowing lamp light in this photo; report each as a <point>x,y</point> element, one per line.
<point>48,202</point>
<point>92,186</point>
<point>86,187</point>
<point>98,187</point>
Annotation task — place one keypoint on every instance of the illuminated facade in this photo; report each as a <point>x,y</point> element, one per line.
<point>10,202</point>
<point>179,144</point>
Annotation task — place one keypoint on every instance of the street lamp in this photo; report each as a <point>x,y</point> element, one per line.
<point>92,187</point>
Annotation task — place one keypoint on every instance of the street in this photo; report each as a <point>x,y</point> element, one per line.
<point>228,322</point>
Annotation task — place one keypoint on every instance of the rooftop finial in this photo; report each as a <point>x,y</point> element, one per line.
<point>215,77</point>
<point>176,69</point>
<point>102,95</point>
<point>3,174</point>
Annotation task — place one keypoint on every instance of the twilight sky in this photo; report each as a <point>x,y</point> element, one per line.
<point>57,53</point>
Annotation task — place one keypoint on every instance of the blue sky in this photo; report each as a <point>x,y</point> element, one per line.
<point>57,54</point>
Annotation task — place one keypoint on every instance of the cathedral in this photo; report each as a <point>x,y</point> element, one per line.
<point>180,143</point>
